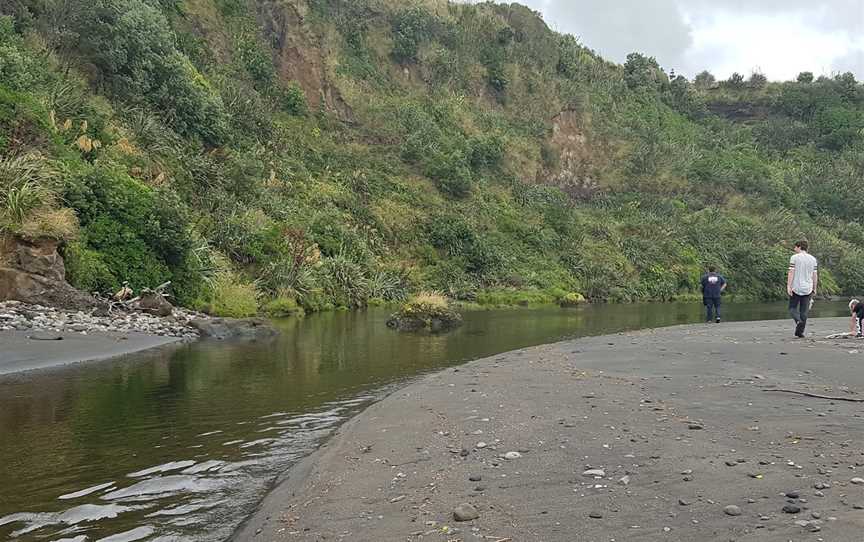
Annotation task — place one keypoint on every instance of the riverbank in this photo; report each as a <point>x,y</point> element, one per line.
<point>691,441</point>
<point>38,337</point>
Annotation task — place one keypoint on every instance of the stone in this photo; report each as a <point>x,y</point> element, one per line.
<point>695,426</point>
<point>684,502</point>
<point>624,480</point>
<point>153,303</point>
<point>595,515</point>
<point>512,455</point>
<point>732,510</point>
<point>475,478</point>
<point>597,473</point>
<point>45,336</point>
<point>465,512</point>
<point>857,481</point>
<point>792,509</point>
<point>792,494</point>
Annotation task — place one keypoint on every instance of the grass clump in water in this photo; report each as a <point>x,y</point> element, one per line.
<point>426,310</point>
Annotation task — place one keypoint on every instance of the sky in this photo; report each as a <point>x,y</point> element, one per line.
<point>779,38</point>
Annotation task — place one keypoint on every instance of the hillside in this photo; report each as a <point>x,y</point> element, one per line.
<point>327,153</point>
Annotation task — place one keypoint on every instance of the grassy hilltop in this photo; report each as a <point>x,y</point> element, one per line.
<point>269,154</point>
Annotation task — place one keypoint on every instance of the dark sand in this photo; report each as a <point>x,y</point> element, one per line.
<point>20,353</point>
<point>669,408</point>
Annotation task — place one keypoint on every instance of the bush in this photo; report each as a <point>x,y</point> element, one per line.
<point>282,307</point>
<point>232,297</point>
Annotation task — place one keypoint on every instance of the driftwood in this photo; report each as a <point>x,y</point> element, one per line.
<point>817,396</point>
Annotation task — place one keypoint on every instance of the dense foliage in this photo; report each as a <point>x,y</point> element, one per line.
<point>264,154</point>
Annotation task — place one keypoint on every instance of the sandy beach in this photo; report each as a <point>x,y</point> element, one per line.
<point>672,434</point>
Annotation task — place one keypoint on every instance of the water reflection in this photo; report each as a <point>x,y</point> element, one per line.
<point>182,443</point>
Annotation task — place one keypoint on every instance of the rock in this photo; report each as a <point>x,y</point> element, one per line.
<point>695,426</point>
<point>816,515</point>
<point>432,313</point>
<point>792,494</point>
<point>480,445</point>
<point>792,509</point>
<point>595,515</point>
<point>731,463</point>
<point>597,473</point>
<point>684,502</point>
<point>624,480</point>
<point>44,336</point>
<point>465,512</point>
<point>475,478</point>
<point>33,272</point>
<point>732,510</point>
<point>857,481</point>
<point>155,304</point>
<point>512,455</point>
<point>232,328</point>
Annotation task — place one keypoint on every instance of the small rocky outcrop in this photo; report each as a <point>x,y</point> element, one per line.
<point>426,311</point>
<point>234,328</point>
<point>33,272</point>
<point>572,300</point>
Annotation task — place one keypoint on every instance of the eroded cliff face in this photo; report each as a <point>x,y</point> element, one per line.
<point>32,271</point>
<point>300,53</point>
<point>575,166</point>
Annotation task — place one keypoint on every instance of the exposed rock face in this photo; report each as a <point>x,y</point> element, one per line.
<point>575,168</point>
<point>33,272</point>
<point>232,328</point>
<point>299,56</point>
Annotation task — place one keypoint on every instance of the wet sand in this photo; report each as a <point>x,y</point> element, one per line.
<point>681,421</point>
<point>20,353</point>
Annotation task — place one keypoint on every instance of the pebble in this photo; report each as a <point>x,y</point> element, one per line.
<point>695,426</point>
<point>792,509</point>
<point>857,481</point>
<point>47,323</point>
<point>732,510</point>
<point>595,515</point>
<point>624,480</point>
<point>480,445</point>
<point>475,478</point>
<point>599,473</point>
<point>512,455</point>
<point>465,512</point>
<point>793,494</point>
<point>684,502</point>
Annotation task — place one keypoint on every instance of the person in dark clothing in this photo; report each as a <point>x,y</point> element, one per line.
<point>713,285</point>
<point>857,323</point>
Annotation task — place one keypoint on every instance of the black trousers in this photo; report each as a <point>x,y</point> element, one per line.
<point>712,307</point>
<point>799,306</point>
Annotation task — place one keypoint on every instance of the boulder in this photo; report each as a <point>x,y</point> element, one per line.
<point>233,328</point>
<point>153,303</point>
<point>33,272</point>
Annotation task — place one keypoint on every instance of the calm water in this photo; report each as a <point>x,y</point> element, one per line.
<point>182,444</point>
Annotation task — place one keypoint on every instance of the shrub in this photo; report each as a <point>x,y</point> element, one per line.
<point>345,281</point>
<point>233,297</point>
<point>282,306</point>
<point>86,269</point>
<point>572,299</point>
<point>293,100</point>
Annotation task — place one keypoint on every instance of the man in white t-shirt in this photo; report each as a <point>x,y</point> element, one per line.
<point>801,283</point>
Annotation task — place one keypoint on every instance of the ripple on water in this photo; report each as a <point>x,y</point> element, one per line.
<point>189,499</point>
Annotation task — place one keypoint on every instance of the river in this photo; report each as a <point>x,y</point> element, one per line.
<point>182,443</point>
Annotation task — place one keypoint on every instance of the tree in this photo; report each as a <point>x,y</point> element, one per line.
<point>805,77</point>
<point>757,80</point>
<point>641,71</point>
<point>736,80</point>
<point>704,80</point>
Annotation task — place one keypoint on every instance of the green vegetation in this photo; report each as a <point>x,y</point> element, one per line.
<point>332,153</point>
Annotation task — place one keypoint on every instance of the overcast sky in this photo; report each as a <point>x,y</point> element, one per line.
<point>780,38</point>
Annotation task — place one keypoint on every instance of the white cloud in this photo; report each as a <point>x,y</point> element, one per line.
<point>779,37</point>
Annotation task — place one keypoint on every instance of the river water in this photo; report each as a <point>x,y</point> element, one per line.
<point>182,443</point>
